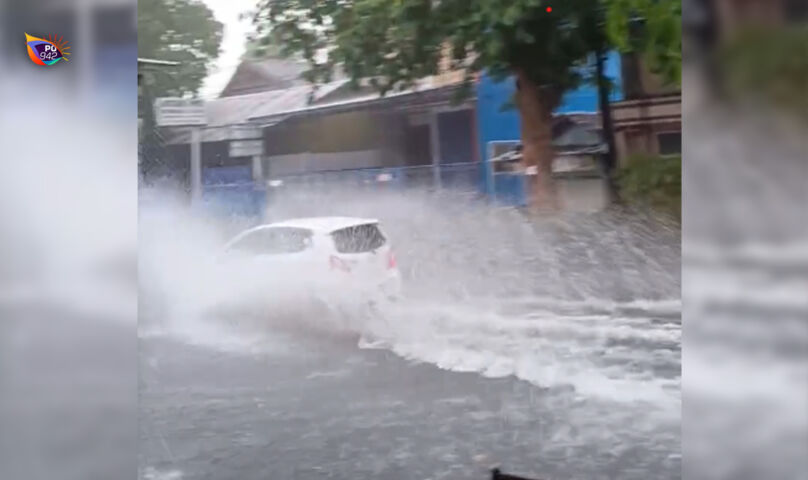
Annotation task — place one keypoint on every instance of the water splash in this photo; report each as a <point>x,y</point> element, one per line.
<point>587,302</point>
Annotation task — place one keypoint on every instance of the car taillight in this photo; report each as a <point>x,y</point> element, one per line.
<point>338,264</point>
<point>391,261</point>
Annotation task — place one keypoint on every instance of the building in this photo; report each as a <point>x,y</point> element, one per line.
<point>499,130</point>
<point>270,125</point>
<point>732,15</point>
<point>648,121</point>
<point>300,131</point>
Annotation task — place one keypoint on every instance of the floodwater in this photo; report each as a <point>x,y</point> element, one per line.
<point>549,348</point>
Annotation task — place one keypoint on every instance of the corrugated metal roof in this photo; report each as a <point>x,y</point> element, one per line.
<point>239,109</point>
<point>417,97</point>
<point>269,74</point>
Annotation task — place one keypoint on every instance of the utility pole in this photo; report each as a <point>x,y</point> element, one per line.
<point>196,165</point>
<point>607,122</point>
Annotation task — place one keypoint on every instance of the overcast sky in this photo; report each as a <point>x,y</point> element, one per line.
<point>233,43</point>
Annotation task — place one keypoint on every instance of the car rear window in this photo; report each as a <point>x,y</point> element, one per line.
<point>359,239</point>
<point>274,241</point>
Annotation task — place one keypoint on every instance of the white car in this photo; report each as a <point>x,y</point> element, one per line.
<point>337,256</point>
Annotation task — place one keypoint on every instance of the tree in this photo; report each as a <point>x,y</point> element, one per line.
<point>652,27</point>
<point>393,43</point>
<point>183,31</point>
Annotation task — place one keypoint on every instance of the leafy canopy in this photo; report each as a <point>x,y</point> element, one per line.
<point>183,31</point>
<point>652,27</point>
<point>393,43</point>
<point>396,42</point>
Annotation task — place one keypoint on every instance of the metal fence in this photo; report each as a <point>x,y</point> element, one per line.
<point>239,199</point>
<point>506,187</point>
<point>231,191</point>
<point>458,177</point>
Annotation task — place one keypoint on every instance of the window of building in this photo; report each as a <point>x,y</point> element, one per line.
<point>670,143</point>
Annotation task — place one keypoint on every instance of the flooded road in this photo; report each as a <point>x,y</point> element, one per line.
<point>323,408</point>
<point>549,349</point>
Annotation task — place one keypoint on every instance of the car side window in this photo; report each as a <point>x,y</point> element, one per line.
<point>274,241</point>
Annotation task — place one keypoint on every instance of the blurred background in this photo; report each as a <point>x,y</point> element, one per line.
<point>68,240</point>
<point>745,239</point>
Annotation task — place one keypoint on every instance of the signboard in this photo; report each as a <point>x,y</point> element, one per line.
<point>245,133</point>
<point>179,112</point>
<point>574,163</point>
<point>246,148</point>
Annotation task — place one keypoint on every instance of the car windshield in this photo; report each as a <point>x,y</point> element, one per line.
<point>359,239</point>
<point>274,241</point>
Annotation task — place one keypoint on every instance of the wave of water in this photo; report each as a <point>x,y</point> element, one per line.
<point>589,303</point>
<point>623,352</point>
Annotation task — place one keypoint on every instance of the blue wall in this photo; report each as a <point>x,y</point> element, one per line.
<point>495,124</point>
<point>227,175</point>
<point>229,191</point>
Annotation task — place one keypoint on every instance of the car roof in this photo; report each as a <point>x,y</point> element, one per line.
<point>323,224</point>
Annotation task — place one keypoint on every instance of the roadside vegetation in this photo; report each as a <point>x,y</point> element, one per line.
<point>653,183</point>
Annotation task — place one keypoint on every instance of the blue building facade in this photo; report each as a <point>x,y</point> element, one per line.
<point>231,191</point>
<point>498,124</point>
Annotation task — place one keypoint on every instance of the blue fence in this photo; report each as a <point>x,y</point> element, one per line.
<point>510,189</point>
<point>464,177</point>
<point>231,191</point>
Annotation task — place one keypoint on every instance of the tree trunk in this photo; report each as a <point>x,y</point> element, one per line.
<point>536,105</point>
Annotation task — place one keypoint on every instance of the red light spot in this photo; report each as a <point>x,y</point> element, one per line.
<point>549,9</point>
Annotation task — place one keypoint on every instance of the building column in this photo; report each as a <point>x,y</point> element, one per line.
<point>196,165</point>
<point>434,142</point>
<point>257,168</point>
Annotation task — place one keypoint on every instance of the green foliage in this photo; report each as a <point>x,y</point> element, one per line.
<point>771,64</point>
<point>651,27</point>
<point>397,42</point>
<point>183,31</point>
<point>653,182</point>
<point>259,48</point>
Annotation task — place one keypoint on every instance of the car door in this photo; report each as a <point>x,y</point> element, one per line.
<point>275,250</point>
